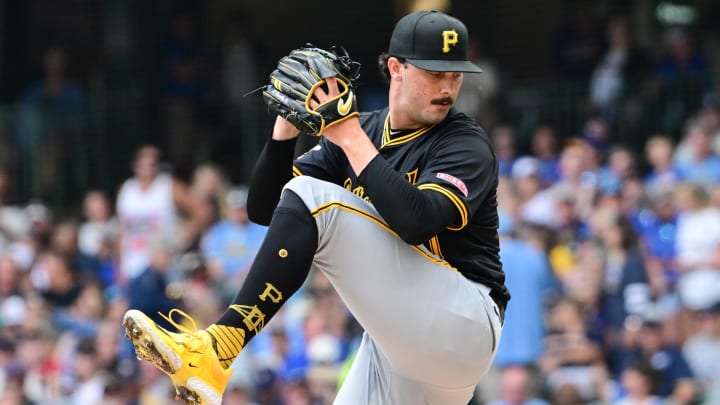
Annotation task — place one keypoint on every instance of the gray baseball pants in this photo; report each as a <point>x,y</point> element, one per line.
<point>430,333</point>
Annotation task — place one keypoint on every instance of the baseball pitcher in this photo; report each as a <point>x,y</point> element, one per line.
<point>397,207</point>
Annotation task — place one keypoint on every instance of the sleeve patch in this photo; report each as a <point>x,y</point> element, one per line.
<point>454,181</point>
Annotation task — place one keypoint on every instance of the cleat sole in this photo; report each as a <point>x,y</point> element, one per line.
<point>143,338</point>
<point>149,346</point>
<point>188,396</point>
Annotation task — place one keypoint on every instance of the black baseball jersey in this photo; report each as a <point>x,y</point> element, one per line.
<point>453,158</point>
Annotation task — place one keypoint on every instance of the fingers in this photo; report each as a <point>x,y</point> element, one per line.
<point>332,86</point>
<point>321,95</point>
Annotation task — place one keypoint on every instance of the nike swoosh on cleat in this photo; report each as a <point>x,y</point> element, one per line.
<point>192,365</point>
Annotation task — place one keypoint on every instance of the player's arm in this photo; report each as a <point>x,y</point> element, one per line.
<point>275,167</point>
<point>272,170</point>
<point>415,215</point>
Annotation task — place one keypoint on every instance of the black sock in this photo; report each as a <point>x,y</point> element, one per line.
<point>278,271</point>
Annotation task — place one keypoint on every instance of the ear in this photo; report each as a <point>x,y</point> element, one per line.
<point>394,67</point>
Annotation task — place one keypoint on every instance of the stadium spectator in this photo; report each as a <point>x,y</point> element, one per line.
<point>100,227</point>
<point>527,272</point>
<point>572,354</point>
<point>681,59</point>
<point>477,96</point>
<point>53,113</point>
<point>82,317</point>
<point>536,205</point>
<point>663,173</point>
<point>10,277</point>
<point>150,206</point>
<point>620,63</point>
<point>576,178</point>
<point>208,182</point>
<point>231,243</point>
<point>149,290</point>
<point>185,59</point>
<point>620,167</point>
<point>701,166</point>
<point>624,289</point>
<point>638,382</point>
<point>657,228</point>
<point>543,146</point>
<point>505,146</point>
<point>675,381</point>
<point>516,388</point>
<point>578,43</point>
<point>697,244</point>
<point>88,385</point>
<point>55,279</point>
<point>239,392</point>
<point>64,240</point>
<point>702,348</point>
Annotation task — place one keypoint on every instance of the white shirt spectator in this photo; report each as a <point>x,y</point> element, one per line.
<point>146,216</point>
<point>698,235</point>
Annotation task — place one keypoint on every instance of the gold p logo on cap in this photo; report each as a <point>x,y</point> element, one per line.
<point>450,37</point>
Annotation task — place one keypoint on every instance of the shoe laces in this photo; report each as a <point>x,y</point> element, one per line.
<point>191,337</point>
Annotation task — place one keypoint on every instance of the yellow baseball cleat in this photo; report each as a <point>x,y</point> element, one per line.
<point>187,357</point>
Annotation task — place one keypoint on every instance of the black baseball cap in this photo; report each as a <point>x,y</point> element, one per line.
<point>432,40</point>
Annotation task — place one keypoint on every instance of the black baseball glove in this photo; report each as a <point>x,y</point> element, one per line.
<point>295,80</point>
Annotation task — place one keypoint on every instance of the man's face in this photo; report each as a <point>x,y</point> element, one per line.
<point>425,97</point>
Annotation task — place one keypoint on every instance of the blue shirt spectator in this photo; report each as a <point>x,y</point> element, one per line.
<point>52,106</point>
<point>233,246</point>
<point>667,177</point>
<point>706,171</point>
<point>148,291</point>
<point>549,170</point>
<point>672,366</point>
<point>682,62</point>
<point>230,245</point>
<point>657,227</point>
<point>529,278</point>
<point>622,284</point>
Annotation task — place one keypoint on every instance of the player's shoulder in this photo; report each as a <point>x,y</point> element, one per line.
<point>459,124</point>
<point>461,132</point>
<point>373,118</point>
<point>373,123</point>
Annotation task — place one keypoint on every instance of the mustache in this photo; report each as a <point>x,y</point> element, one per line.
<point>443,101</point>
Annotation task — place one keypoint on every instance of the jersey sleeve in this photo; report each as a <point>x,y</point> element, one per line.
<point>464,170</point>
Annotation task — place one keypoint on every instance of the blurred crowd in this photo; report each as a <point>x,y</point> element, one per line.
<point>65,284</point>
<point>611,249</point>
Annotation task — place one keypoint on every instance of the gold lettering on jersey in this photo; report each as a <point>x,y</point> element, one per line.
<point>253,317</point>
<point>450,37</point>
<point>412,176</point>
<point>358,191</point>
<point>271,292</point>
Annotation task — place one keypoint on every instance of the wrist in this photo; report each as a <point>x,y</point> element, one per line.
<point>354,142</point>
<point>347,134</point>
<point>283,130</point>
